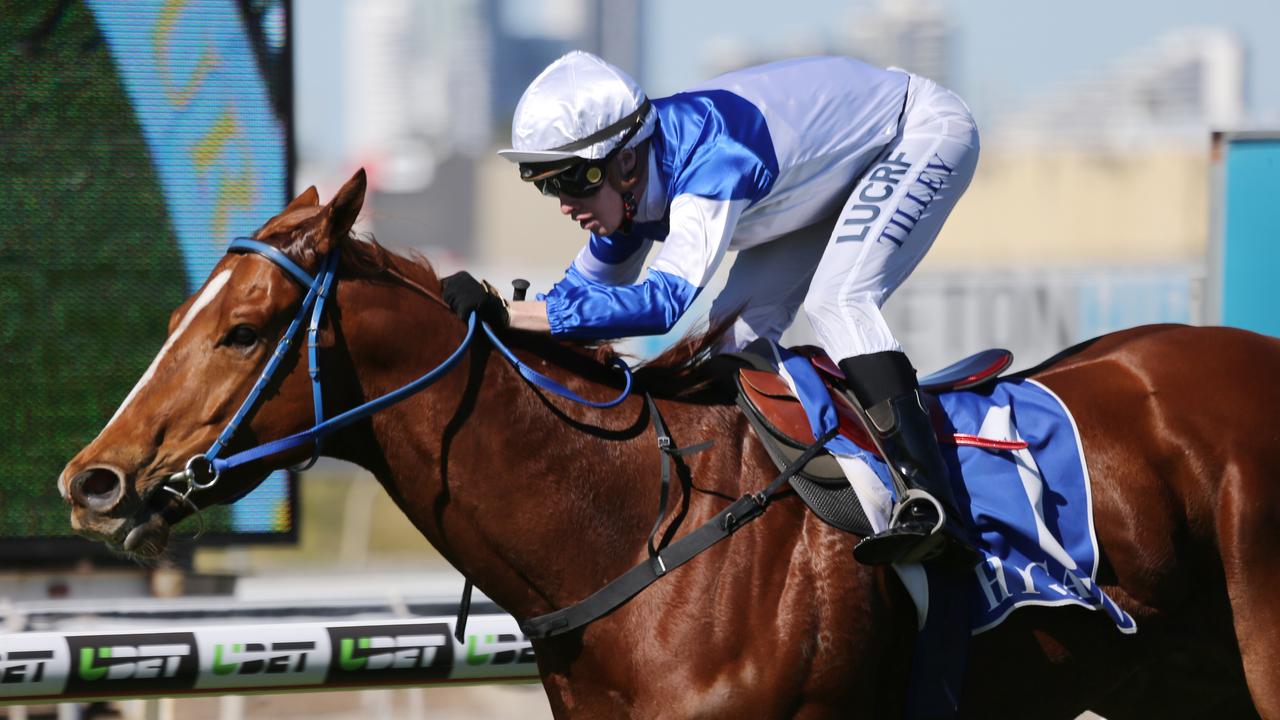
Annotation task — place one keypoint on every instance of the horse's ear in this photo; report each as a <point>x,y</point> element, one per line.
<point>307,198</point>
<point>341,212</point>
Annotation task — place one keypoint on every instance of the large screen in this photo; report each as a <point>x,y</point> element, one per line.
<point>136,139</point>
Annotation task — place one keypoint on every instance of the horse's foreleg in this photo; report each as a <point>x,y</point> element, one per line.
<point>1249,537</point>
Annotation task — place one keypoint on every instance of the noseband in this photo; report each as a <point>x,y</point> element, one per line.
<point>203,471</point>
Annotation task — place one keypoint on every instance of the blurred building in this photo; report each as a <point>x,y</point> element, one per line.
<point>528,36</point>
<point>915,35</point>
<point>423,80</point>
<point>1170,93</point>
<point>424,90</point>
<point>1108,169</point>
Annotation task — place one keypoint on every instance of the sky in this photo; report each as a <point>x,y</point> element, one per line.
<point>1008,50</point>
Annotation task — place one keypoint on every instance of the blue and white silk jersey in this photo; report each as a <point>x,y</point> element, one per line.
<point>744,159</point>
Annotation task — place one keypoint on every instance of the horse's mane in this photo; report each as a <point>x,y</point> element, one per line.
<point>682,371</point>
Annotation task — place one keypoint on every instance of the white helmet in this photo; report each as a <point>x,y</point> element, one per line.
<point>579,106</point>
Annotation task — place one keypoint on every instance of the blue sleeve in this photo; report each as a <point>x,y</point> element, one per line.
<point>723,146</point>
<point>579,308</point>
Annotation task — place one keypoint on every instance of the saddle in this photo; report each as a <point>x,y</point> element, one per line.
<point>783,427</point>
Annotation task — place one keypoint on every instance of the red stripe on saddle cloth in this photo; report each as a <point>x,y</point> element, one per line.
<point>989,443</point>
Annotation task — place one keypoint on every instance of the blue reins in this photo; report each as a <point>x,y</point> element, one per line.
<point>546,383</point>
<point>202,471</point>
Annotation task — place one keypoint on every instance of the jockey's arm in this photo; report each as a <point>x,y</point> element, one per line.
<point>699,232</point>
<point>603,260</point>
<point>529,315</point>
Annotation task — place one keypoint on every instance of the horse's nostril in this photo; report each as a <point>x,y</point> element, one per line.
<point>100,482</point>
<point>96,488</point>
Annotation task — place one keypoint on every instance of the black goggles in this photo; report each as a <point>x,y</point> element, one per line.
<point>579,177</point>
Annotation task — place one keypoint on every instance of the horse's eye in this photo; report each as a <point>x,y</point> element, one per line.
<point>242,336</point>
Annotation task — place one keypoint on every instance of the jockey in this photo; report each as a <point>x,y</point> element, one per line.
<point>830,177</point>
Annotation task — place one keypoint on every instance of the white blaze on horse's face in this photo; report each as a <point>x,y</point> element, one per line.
<point>211,290</point>
<point>207,296</point>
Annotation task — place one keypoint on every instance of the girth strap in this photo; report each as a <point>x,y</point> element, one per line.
<point>668,450</point>
<point>628,585</point>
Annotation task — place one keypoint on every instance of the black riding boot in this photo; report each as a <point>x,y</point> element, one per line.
<point>924,524</point>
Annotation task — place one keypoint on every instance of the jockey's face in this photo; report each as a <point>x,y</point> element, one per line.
<point>601,212</point>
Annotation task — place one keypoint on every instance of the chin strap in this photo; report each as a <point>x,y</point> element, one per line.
<point>629,207</point>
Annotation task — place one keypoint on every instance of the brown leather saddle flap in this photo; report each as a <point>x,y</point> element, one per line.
<point>772,399</point>
<point>769,395</point>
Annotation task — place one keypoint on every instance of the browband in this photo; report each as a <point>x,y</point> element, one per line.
<point>249,245</point>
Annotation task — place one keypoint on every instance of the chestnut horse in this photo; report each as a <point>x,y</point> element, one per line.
<point>542,502</point>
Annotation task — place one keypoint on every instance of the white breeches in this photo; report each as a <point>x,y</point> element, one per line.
<point>843,274</point>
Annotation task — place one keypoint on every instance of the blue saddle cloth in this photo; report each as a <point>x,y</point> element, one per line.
<point>1029,511</point>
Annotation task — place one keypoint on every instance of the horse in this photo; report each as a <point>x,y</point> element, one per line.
<point>541,502</point>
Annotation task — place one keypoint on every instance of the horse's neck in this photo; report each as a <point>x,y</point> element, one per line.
<point>535,510</point>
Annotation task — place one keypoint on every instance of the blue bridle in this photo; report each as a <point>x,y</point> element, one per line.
<point>202,471</point>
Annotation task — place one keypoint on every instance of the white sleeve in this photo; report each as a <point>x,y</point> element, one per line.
<point>623,272</point>
<point>699,235</point>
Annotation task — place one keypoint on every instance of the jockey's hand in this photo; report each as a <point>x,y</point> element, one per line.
<point>466,295</point>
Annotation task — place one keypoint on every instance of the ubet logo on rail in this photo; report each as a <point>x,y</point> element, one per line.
<point>32,665</point>
<point>499,649</point>
<point>409,651</point>
<point>24,666</point>
<point>261,656</point>
<point>150,661</point>
<point>122,662</point>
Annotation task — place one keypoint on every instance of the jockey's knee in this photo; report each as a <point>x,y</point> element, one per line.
<point>821,307</point>
<point>848,325</point>
<point>842,309</point>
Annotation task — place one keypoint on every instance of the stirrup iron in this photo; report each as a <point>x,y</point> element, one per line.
<point>915,495</point>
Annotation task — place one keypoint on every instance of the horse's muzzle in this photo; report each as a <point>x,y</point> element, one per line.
<point>148,538</point>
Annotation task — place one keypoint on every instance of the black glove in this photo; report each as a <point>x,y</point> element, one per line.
<point>465,295</point>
